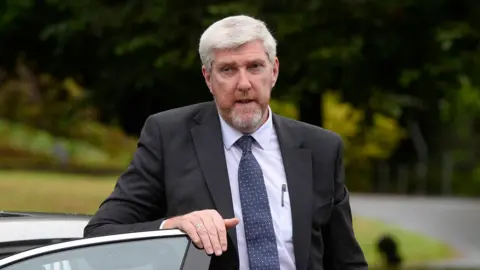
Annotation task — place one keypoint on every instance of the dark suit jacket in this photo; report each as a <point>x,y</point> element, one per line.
<point>180,167</point>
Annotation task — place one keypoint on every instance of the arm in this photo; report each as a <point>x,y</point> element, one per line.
<point>341,246</point>
<point>137,202</point>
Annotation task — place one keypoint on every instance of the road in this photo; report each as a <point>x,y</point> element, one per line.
<point>453,220</point>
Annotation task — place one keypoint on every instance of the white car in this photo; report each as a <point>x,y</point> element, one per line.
<point>20,231</point>
<point>155,250</point>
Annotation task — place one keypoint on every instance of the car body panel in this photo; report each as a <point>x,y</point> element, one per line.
<point>26,229</point>
<point>20,231</point>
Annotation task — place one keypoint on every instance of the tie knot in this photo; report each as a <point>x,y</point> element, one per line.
<point>245,143</point>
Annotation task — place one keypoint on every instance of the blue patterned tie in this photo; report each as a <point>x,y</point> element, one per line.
<point>257,219</point>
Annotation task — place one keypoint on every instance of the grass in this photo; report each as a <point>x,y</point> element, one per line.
<point>413,247</point>
<point>53,192</point>
<point>50,192</point>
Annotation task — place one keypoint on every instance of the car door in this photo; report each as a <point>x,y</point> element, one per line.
<point>157,250</point>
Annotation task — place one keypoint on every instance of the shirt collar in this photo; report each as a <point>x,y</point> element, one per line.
<point>262,135</point>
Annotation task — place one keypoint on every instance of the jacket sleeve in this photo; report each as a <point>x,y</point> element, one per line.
<point>137,202</point>
<point>342,250</point>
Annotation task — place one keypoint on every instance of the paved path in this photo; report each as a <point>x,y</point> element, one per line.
<point>453,220</point>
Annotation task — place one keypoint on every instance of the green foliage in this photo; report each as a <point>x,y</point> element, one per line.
<point>358,47</point>
<point>363,143</point>
<point>10,10</point>
<point>460,112</point>
<point>476,176</point>
<point>461,102</point>
<point>23,146</point>
<point>41,101</point>
<point>417,61</point>
<point>46,120</point>
<point>284,108</point>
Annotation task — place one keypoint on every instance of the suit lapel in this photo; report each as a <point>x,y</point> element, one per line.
<point>208,142</point>
<point>298,170</point>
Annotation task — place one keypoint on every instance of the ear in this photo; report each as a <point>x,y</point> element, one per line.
<point>207,76</point>
<point>275,71</point>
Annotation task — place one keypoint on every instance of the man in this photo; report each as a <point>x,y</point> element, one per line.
<point>256,190</point>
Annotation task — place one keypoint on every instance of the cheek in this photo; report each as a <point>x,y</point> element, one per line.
<point>224,92</point>
<point>265,87</point>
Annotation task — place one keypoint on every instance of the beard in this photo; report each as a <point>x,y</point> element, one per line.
<point>246,117</point>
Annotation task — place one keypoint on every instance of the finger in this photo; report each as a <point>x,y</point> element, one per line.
<point>202,233</point>
<point>212,232</point>
<point>189,228</point>
<point>231,222</point>
<point>221,230</point>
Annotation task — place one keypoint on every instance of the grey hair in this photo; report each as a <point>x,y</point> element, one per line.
<point>232,32</point>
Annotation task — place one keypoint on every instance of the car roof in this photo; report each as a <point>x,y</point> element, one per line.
<point>10,215</point>
<point>21,231</point>
<point>22,226</point>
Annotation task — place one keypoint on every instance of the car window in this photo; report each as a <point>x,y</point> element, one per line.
<point>144,254</point>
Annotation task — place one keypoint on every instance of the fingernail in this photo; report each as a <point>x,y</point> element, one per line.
<point>218,252</point>
<point>209,251</point>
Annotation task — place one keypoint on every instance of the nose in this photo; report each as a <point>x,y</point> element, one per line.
<point>243,81</point>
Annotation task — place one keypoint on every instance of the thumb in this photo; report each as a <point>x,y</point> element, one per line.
<point>231,222</point>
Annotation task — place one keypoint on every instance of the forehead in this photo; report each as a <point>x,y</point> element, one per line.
<point>250,51</point>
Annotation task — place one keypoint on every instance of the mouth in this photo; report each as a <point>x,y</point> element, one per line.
<point>245,101</point>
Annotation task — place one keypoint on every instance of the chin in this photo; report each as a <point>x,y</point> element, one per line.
<point>247,121</point>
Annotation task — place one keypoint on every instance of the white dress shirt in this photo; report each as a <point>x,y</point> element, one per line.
<point>266,150</point>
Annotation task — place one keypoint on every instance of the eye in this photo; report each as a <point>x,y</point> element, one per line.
<point>256,67</point>
<point>226,69</point>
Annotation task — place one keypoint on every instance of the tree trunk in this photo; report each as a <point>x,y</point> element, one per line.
<point>311,108</point>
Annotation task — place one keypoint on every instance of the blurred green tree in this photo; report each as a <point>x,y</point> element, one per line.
<point>401,59</point>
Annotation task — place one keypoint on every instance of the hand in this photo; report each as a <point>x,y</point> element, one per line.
<point>206,228</point>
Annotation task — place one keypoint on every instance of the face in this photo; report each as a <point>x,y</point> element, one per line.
<point>241,81</point>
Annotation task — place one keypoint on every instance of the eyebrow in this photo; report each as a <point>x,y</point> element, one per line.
<point>232,63</point>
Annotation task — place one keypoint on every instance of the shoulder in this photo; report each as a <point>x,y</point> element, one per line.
<point>310,133</point>
<point>180,114</point>
<point>177,121</point>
